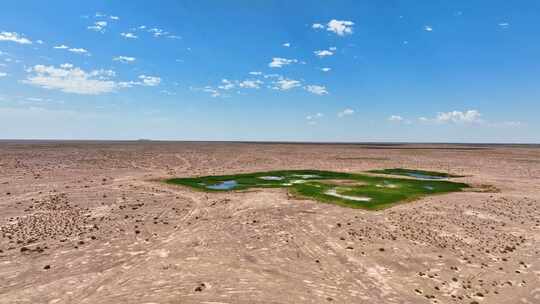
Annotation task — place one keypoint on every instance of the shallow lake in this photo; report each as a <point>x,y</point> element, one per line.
<point>424,176</point>
<point>226,185</point>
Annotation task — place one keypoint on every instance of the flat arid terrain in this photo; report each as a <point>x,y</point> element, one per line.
<point>93,222</point>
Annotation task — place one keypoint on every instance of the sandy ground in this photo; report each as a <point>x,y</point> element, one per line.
<point>89,223</point>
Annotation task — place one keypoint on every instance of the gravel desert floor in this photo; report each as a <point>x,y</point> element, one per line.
<point>92,222</point>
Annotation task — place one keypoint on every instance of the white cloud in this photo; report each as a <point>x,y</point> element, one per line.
<point>504,25</point>
<point>340,27</point>
<point>157,32</point>
<point>40,41</point>
<point>284,84</point>
<point>332,48</point>
<point>114,17</point>
<point>61,47</point>
<point>244,84</point>
<point>428,28</point>
<point>280,62</point>
<point>213,92</point>
<point>317,26</point>
<point>150,81</point>
<point>66,66</point>
<point>255,73</point>
<point>70,79</point>
<point>395,118</point>
<point>323,53</point>
<point>129,35</point>
<point>318,115</point>
<point>326,69</point>
<point>2,74</point>
<point>316,89</point>
<point>124,59</point>
<point>469,117</point>
<point>250,84</point>
<point>99,26</point>
<point>287,44</point>
<point>226,84</point>
<point>14,37</point>
<point>345,112</point>
<point>314,118</point>
<point>457,117</point>
<point>78,50</point>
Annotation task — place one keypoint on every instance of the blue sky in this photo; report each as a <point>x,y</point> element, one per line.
<point>423,71</point>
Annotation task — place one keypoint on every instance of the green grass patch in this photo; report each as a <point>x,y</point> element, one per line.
<point>344,189</point>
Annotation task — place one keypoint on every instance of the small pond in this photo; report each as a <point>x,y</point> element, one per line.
<point>226,185</point>
<point>424,176</point>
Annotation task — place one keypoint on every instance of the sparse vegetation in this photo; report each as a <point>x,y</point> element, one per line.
<point>414,173</point>
<point>344,189</point>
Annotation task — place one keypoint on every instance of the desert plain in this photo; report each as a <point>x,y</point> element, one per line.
<point>93,222</point>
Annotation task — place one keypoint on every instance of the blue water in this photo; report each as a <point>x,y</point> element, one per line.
<point>424,176</point>
<point>226,185</point>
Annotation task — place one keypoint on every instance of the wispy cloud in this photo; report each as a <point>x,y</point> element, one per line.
<point>326,69</point>
<point>99,26</point>
<point>73,50</point>
<point>250,84</point>
<point>278,62</point>
<point>313,119</point>
<point>428,28</point>
<point>285,84</point>
<point>457,117</point>
<point>155,31</point>
<point>316,89</point>
<point>323,53</point>
<point>395,118</point>
<point>345,112</point>
<point>79,51</point>
<point>14,37</point>
<point>129,35</point>
<point>124,59</point>
<point>150,81</point>
<point>467,118</point>
<point>213,92</point>
<point>287,44</point>
<point>226,85</point>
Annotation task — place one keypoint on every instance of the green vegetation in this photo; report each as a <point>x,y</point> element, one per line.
<point>415,173</point>
<point>345,189</point>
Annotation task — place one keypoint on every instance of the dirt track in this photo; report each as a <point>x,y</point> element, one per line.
<point>89,223</point>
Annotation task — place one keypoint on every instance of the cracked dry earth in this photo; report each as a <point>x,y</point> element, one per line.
<point>89,222</point>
